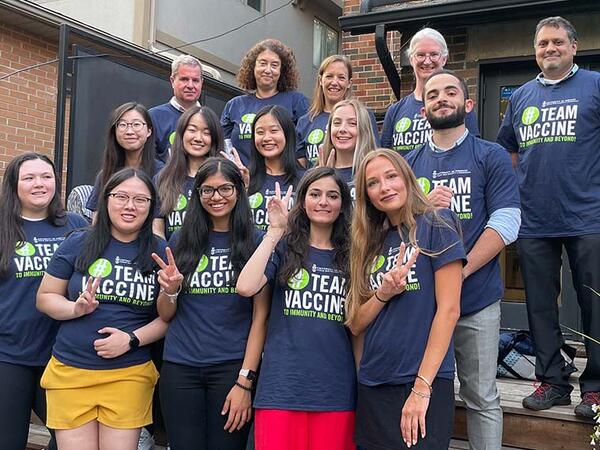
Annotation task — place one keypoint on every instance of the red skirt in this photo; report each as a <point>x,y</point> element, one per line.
<point>276,429</point>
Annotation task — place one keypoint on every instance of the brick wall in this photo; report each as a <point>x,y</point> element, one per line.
<point>27,99</point>
<point>370,83</point>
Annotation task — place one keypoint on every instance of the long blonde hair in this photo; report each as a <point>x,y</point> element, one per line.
<point>370,225</point>
<point>318,100</point>
<point>365,139</point>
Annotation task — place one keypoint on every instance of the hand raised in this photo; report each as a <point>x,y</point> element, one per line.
<point>169,277</point>
<point>86,302</point>
<point>394,281</point>
<point>326,162</point>
<point>235,158</point>
<point>278,208</point>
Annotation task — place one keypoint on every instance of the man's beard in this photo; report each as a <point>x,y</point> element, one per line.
<point>453,120</point>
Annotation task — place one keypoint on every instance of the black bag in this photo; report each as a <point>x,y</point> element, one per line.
<point>516,356</point>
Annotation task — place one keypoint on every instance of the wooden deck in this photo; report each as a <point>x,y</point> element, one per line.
<point>554,429</point>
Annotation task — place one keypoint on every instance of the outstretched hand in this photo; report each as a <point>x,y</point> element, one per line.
<point>277,208</point>
<point>326,162</point>
<point>235,158</point>
<point>86,303</point>
<point>394,281</point>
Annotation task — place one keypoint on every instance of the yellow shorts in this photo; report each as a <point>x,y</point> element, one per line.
<point>118,398</point>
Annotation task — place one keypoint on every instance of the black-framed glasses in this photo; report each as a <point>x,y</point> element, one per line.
<point>136,125</point>
<point>433,56</point>
<point>225,190</point>
<point>122,199</point>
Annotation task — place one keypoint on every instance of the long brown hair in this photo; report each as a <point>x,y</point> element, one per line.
<point>370,225</point>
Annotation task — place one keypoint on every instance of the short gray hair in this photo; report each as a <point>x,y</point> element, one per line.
<point>185,60</point>
<point>556,22</point>
<point>428,33</point>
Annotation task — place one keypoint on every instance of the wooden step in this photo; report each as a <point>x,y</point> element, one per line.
<point>556,428</point>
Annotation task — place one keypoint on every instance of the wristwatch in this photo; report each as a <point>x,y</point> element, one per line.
<point>249,374</point>
<point>134,342</point>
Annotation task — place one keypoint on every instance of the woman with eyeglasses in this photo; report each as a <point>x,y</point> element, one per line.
<point>273,160</point>
<point>404,127</point>
<point>101,285</point>
<point>198,136</point>
<point>215,338</point>
<point>128,144</point>
<point>33,223</point>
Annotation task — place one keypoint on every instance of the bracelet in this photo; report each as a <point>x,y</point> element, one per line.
<point>379,298</point>
<point>172,297</point>
<point>271,238</point>
<point>241,386</point>
<point>420,394</point>
<point>426,381</point>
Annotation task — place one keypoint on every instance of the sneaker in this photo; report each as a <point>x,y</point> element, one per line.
<point>546,396</point>
<point>589,399</point>
<point>146,441</point>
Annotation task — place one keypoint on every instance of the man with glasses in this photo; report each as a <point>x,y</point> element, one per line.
<point>186,80</point>
<point>552,128</point>
<point>404,128</point>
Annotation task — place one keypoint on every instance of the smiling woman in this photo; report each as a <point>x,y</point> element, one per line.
<point>101,285</point>
<point>269,72</point>
<point>32,225</point>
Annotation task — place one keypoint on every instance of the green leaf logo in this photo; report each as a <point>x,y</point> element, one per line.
<point>530,115</point>
<point>255,200</point>
<point>425,184</point>
<point>403,125</point>
<point>378,263</point>
<point>181,203</point>
<point>202,264</point>
<point>172,138</point>
<point>100,268</point>
<point>248,118</point>
<point>24,249</point>
<point>300,280</point>
<point>316,136</point>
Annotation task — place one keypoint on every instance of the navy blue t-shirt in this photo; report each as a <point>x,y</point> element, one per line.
<point>260,199</point>
<point>311,134</point>
<point>92,202</point>
<point>239,113</point>
<point>127,301</point>
<point>27,335</point>
<point>308,364</point>
<point>395,341</point>
<point>556,132</point>
<point>404,129</point>
<point>346,175</point>
<point>212,321</point>
<point>164,118</point>
<point>174,219</point>
<point>481,176</point>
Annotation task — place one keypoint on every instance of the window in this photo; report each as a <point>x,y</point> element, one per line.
<point>254,4</point>
<point>325,42</point>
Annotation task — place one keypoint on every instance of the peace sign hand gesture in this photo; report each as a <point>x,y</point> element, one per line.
<point>86,303</point>
<point>169,277</point>
<point>394,281</point>
<point>330,161</point>
<point>277,208</point>
<point>235,158</point>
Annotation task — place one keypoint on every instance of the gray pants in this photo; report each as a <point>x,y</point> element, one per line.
<point>476,348</point>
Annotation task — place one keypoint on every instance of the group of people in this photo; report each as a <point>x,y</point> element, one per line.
<point>302,278</point>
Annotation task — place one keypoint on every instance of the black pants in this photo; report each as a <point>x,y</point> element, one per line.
<point>540,261</point>
<point>379,410</point>
<point>192,400</point>
<point>20,392</point>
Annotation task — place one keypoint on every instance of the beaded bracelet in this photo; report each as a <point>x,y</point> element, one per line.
<point>172,297</point>
<point>241,386</point>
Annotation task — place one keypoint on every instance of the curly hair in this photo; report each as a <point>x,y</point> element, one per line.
<point>288,79</point>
